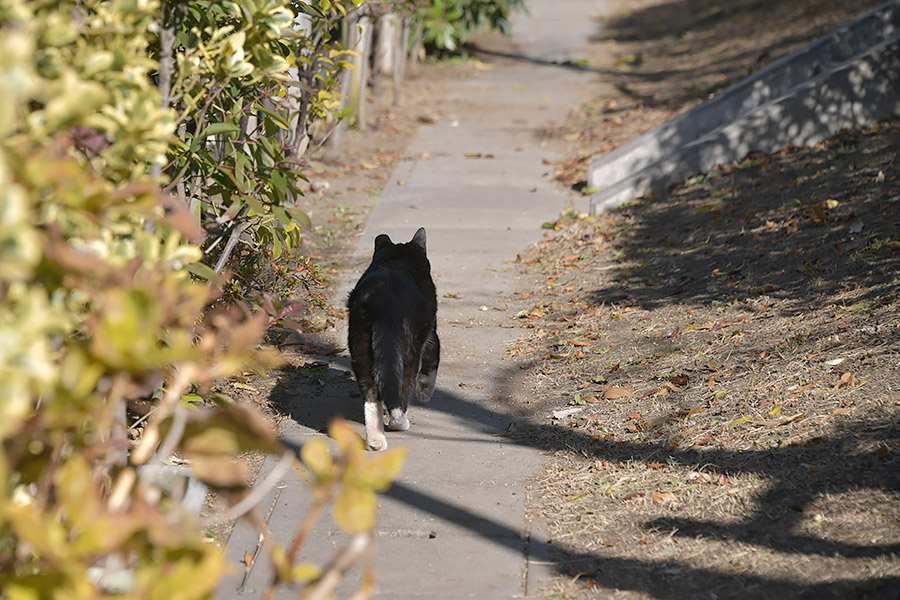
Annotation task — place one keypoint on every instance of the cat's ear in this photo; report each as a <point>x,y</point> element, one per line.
<point>383,240</point>
<point>419,238</point>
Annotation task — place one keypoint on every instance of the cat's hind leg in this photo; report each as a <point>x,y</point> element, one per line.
<point>427,377</point>
<point>373,412</point>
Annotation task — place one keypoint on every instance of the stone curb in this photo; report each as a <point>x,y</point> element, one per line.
<point>845,79</point>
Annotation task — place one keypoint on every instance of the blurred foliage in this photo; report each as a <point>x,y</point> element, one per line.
<point>97,302</point>
<point>448,23</point>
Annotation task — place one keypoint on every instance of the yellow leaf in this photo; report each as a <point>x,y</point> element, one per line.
<point>316,455</point>
<point>305,572</point>
<point>220,471</point>
<point>739,421</point>
<point>354,509</point>
<point>377,473</point>
<point>348,441</point>
<point>280,562</point>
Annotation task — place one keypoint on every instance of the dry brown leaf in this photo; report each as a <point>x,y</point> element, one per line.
<point>847,380</point>
<point>248,559</point>
<point>659,497</point>
<point>681,379</point>
<point>840,411</point>
<point>612,393</point>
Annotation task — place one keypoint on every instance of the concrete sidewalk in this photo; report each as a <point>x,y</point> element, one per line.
<point>453,524</point>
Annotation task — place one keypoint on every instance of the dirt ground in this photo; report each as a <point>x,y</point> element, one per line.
<point>729,350</point>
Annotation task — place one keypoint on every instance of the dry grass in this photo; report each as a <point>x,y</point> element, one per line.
<point>736,356</point>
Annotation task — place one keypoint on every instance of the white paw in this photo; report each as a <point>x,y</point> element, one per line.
<point>398,421</point>
<point>377,443</point>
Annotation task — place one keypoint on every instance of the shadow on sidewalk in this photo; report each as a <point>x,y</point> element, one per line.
<point>773,525</point>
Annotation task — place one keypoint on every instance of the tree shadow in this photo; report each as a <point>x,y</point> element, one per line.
<point>711,43</point>
<point>798,228</point>
<point>773,525</point>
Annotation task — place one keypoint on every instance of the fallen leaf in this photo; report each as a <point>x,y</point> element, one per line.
<point>681,379</point>
<point>806,387</point>
<point>791,419</point>
<point>612,393</point>
<point>840,411</point>
<point>739,421</point>
<point>565,412</point>
<point>847,380</point>
<point>631,496</point>
<point>882,451</point>
<point>248,559</point>
<point>659,497</point>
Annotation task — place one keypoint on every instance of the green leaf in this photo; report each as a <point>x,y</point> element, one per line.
<point>276,247</point>
<point>216,128</point>
<point>300,217</point>
<point>276,118</point>
<point>240,163</point>
<point>255,205</point>
<point>234,208</point>
<point>279,183</point>
<point>281,215</point>
<point>202,271</point>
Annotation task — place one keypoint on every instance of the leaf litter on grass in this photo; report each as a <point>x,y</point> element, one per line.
<point>743,354</point>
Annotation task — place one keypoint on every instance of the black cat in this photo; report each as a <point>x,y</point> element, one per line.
<point>393,342</point>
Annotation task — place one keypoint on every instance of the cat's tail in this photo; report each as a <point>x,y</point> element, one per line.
<point>390,371</point>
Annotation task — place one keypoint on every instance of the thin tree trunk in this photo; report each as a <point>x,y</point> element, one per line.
<point>333,143</point>
<point>399,68</point>
<point>416,49</point>
<point>359,76</point>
